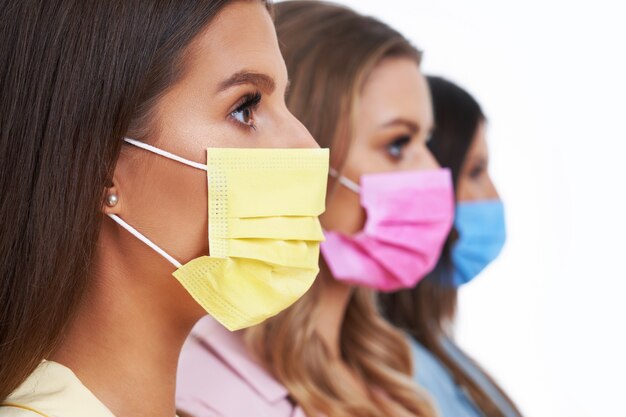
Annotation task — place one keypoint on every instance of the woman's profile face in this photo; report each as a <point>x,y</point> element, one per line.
<point>394,120</point>
<point>230,94</point>
<point>474,183</point>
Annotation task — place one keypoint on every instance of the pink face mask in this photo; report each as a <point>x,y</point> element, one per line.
<point>409,216</point>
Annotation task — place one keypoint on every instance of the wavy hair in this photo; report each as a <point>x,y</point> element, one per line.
<point>329,63</point>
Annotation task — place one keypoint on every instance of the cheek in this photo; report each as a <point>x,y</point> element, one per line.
<point>344,213</point>
<point>475,189</point>
<point>188,208</point>
<point>173,206</point>
<point>466,189</point>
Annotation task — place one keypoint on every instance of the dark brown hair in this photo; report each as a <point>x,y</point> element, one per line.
<point>427,311</point>
<point>75,76</point>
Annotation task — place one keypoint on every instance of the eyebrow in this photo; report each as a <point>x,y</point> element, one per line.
<point>481,159</point>
<point>262,81</point>
<point>412,126</point>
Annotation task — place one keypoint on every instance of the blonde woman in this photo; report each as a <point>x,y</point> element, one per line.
<point>356,85</point>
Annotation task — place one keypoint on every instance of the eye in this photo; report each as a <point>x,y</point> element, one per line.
<point>396,148</point>
<point>476,171</point>
<point>244,113</point>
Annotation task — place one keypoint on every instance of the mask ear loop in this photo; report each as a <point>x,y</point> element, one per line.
<point>130,228</point>
<point>166,154</point>
<point>145,240</point>
<point>349,184</point>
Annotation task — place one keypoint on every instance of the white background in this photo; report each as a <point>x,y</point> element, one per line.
<point>547,318</point>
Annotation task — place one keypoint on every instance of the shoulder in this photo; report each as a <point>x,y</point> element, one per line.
<point>216,377</point>
<point>430,373</point>
<point>9,410</point>
<point>207,386</point>
<point>53,390</point>
<point>426,366</point>
<point>435,377</point>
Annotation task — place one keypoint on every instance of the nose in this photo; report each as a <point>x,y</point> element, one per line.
<point>296,134</point>
<point>492,191</point>
<point>429,160</point>
<point>422,160</point>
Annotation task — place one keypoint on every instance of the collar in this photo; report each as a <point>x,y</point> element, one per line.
<point>53,389</point>
<point>229,347</point>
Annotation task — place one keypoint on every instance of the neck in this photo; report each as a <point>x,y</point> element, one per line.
<point>329,325</point>
<point>329,321</point>
<point>124,344</point>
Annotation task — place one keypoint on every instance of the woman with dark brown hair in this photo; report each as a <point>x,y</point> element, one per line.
<point>459,386</point>
<point>107,109</point>
<point>356,84</point>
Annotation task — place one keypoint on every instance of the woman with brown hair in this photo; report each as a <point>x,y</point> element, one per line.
<point>356,85</point>
<point>459,386</point>
<point>107,109</point>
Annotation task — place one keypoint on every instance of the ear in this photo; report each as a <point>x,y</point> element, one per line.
<point>112,202</point>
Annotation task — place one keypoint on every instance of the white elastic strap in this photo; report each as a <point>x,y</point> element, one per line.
<point>166,154</point>
<point>349,184</point>
<point>145,240</point>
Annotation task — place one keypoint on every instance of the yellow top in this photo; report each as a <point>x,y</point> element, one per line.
<point>53,390</point>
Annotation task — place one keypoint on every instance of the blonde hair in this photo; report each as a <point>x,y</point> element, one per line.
<point>330,51</point>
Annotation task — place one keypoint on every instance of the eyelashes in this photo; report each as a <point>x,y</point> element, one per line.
<point>244,112</point>
<point>477,171</point>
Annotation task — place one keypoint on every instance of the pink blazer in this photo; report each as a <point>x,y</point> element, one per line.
<point>217,377</point>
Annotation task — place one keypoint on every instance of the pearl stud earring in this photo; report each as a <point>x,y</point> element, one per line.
<point>112,200</point>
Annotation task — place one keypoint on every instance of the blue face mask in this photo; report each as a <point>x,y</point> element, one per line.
<point>482,233</point>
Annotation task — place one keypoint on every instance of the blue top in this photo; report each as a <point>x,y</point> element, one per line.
<point>453,400</point>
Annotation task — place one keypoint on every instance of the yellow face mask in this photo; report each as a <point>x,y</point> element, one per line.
<point>264,232</point>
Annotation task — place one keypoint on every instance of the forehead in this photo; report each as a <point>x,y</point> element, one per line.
<point>479,141</point>
<point>242,37</point>
<point>396,88</point>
